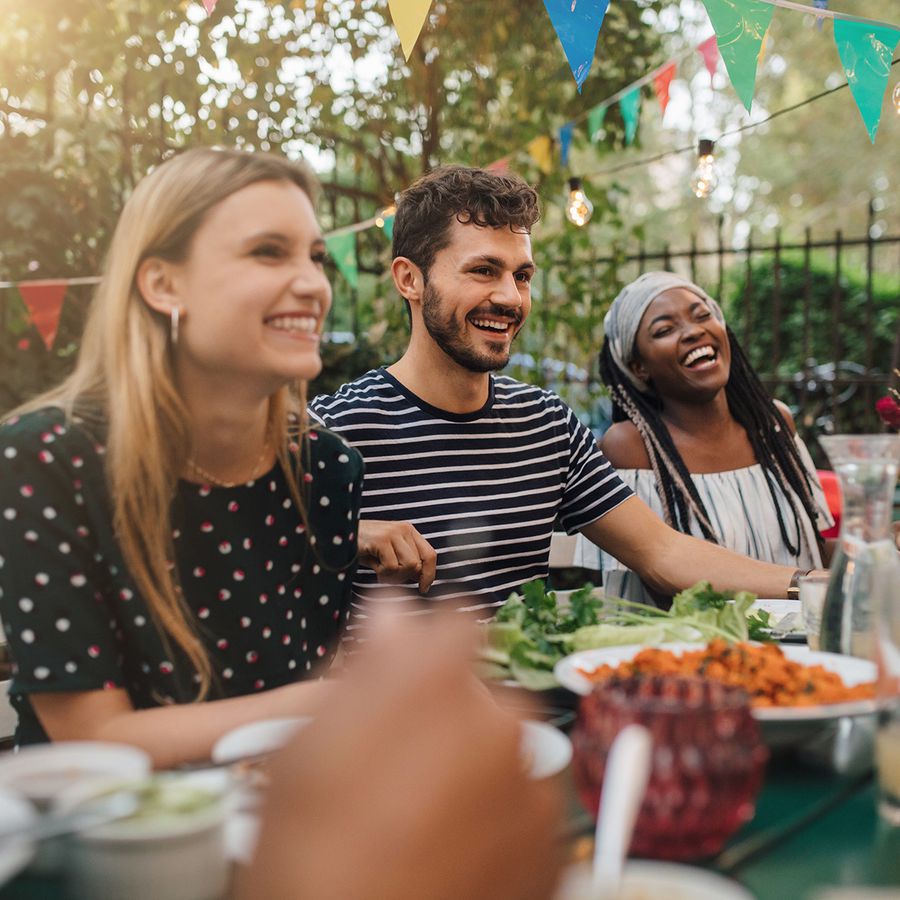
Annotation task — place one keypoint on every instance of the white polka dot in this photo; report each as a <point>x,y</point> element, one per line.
<point>323,600</point>
<point>45,456</point>
<point>49,512</point>
<point>286,504</point>
<point>27,635</point>
<point>343,458</point>
<point>9,514</point>
<point>295,568</point>
<point>341,576</point>
<point>10,452</point>
<point>42,578</point>
<point>321,464</point>
<point>65,547</point>
<point>41,672</point>
<point>245,621</point>
<point>71,668</point>
<point>31,536</point>
<point>337,540</point>
<point>125,594</point>
<point>140,621</point>
<point>63,624</point>
<point>308,665</point>
<point>2,561</point>
<point>316,569</point>
<point>292,663</point>
<point>224,547</point>
<point>78,580</point>
<point>303,622</point>
<point>26,604</point>
<point>227,673</point>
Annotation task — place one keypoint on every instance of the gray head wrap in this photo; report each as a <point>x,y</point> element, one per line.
<point>624,316</point>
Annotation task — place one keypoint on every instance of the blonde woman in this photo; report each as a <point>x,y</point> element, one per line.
<point>170,531</point>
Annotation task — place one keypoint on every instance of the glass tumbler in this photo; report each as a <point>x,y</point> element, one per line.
<point>707,760</point>
<point>812,600</point>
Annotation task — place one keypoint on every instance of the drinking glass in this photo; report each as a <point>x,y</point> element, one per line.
<point>886,600</point>
<point>812,600</point>
<point>707,761</point>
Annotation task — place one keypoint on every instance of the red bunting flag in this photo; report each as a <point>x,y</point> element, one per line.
<point>44,300</point>
<point>661,82</point>
<point>210,6</point>
<point>498,165</point>
<point>709,50</point>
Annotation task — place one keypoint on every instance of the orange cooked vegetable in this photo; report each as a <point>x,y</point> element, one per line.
<point>768,676</point>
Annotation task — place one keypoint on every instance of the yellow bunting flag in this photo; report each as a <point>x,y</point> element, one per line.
<point>409,18</point>
<point>541,151</point>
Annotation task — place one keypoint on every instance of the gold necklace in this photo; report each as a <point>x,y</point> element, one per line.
<point>218,482</point>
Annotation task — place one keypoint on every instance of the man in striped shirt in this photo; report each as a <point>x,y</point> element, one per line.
<point>466,470</point>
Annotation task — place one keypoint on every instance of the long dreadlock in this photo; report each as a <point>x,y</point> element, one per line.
<point>752,407</point>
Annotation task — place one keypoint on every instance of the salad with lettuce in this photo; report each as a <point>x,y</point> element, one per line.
<point>531,632</point>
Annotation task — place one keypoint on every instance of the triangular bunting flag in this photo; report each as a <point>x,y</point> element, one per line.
<point>595,122</point>
<point>709,50</point>
<point>565,143</point>
<point>740,26</point>
<point>388,227</point>
<point>577,24</point>
<point>820,4</point>
<point>541,151</point>
<point>762,49</point>
<point>630,105</point>
<point>498,165</point>
<point>342,249</point>
<point>409,18</point>
<point>210,5</point>
<point>661,84</point>
<point>44,300</point>
<point>866,51</point>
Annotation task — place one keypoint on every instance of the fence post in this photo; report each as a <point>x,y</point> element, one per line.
<point>776,306</point>
<point>721,257</point>
<point>870,308</point>
<point>748,284</point>
<point>693,256</point>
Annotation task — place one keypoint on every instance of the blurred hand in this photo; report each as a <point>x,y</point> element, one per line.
<point>410,787</point>
<point>896,529</point>
<point>397,553</point>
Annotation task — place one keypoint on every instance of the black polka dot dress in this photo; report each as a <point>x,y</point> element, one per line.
<point>269,594</point>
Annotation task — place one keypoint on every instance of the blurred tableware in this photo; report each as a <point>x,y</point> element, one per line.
<point>707,762</point>
<point>16,814</point>
<point>42,773</point>
<point>782,726</point>
<point>624,784</point>
<point>103,809</point>
<point>887,739</point>
<point>256,739</point>
<point>812,599</point>
<point>172,847</point>
<point>644,880</point>
<point>545,749</point>
<point>866,554</point>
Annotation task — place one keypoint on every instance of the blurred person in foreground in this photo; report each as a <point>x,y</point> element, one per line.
<point>468,470</point>
<point>411,786</point>
<point>172,530</point>
<point>696,436</point>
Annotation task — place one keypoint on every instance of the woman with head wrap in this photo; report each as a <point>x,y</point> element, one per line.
<point>696,435</point>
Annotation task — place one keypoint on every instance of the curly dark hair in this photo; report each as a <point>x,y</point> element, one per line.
<point>427,207</point>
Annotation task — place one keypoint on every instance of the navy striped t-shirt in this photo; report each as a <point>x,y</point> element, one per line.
<point>483,488</point>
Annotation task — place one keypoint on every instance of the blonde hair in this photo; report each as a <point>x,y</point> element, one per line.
<point>124,378</point>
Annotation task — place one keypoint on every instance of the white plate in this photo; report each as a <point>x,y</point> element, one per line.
<point>547,749</point>
<point>778,609</point>
<point>15,813</point>
<point>852,669</point>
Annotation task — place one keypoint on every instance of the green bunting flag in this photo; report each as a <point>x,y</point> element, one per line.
<point>630,105</point>
<point>866,52</point>
<point>595,122</point>
<point>342,249</point>
<point>740,27</point>
<point>389,227</point>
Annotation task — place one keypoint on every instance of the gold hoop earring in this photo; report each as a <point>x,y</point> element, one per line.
<point>174,320</point>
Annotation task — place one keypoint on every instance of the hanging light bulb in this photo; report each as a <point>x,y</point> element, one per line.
<point>386,213</point>
<point>578,209</point>
<point>705,177</point>
<point>895,96</point>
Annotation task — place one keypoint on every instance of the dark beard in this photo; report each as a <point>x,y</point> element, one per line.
<point>451,338</point>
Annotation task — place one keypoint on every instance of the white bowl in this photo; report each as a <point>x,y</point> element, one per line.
<point>41,773</point>
<point>178,856</point>
<point>15,853</point>
<point>646,880</point>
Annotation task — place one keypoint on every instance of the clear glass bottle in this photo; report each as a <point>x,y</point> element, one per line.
<point>866,466</point>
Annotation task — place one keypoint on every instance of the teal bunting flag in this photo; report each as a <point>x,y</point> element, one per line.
<point>342,249</point>
<point>595,121</point>
<point>740,27</point>
<point>577,24</point>
<point>630,105</point>
<point>565,143</point>
<point>866,52</point>
<point>389,227</point>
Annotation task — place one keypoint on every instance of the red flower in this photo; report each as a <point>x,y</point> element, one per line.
<point>889,410</point>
